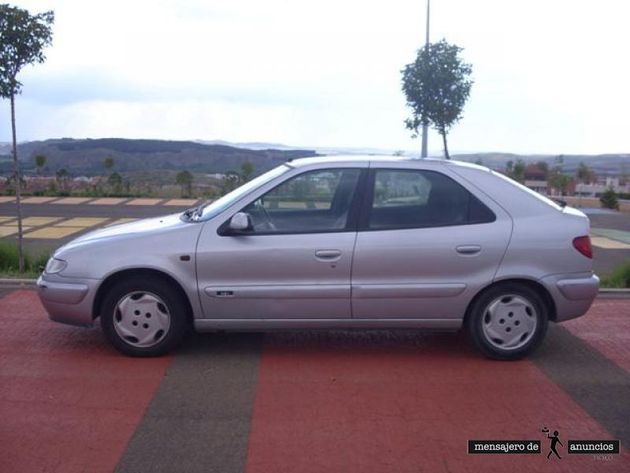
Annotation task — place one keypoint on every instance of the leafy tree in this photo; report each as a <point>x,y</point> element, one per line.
<point>115,181</point>
<point>584,177</point>
<point>231,180</point>
<point>10,181</point>
<point>108,163</point>
<point>609,200</point>
<point>518,171</point>
<point>40,162</point>
<point>61,176</point>
<point>185,179</point>
<point>436,87</point>
<point>584,173</point>
<point>23,38</point>
<point>559,181</point>
<point>544,167</point>
<point>247,170</point>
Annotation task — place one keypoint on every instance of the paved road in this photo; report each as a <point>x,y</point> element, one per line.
<point>49,223</point>
<point>329,401</point>
<point>607,259</point>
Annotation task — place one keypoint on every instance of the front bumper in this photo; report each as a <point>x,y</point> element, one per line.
<point>573,294</point>
<point>66,300</point>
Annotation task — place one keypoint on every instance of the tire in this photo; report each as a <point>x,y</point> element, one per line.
<point>508,321</point>
<point>144,317</point>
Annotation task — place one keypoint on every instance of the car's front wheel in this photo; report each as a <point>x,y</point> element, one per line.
<point>144,316</point>
<point>508,321</point>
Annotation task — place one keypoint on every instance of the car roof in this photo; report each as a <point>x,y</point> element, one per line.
<point>381,159</point>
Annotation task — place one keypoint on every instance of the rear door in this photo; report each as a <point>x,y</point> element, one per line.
<point>428,241</point>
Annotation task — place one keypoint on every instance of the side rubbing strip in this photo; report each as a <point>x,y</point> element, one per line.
<point>369,291</point>
<point>315,291</point>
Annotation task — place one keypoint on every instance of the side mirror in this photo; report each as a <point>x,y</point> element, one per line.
<point>240,222</point>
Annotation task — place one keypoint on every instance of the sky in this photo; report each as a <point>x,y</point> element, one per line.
<point>550,76</point>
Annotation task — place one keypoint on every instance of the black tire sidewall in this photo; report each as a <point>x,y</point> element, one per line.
<point>476,315</point>
<point>176,306</point>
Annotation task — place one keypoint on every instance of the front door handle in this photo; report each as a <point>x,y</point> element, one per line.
<point>468,249</point>
<point>328,255</point>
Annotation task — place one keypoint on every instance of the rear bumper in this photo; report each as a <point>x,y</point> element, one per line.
<point>67,301</point>
<point>579,289</point>
<point>573,294</point>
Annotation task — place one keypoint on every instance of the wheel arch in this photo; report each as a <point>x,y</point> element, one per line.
<point>118,276</point>
<point>536,286</point>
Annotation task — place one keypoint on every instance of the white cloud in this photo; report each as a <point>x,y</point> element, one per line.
<point>549,75</point>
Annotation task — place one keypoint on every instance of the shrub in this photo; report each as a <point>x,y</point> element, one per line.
<point>609,199</point>
<point>620,277</point>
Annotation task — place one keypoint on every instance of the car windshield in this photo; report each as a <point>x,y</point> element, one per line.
<point>211,209</point>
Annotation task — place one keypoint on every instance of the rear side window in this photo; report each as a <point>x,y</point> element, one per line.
<point>528,191</point>
<point>416,199</point>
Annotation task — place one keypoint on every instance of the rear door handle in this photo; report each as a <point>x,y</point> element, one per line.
<point>468,249</point>
<point>328,255</point>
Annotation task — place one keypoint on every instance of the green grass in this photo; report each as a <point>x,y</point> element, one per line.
<point>31,274</point>
<point>33,261</point>
<point>619,278</point>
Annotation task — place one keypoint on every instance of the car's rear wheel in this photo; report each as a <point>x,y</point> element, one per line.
<point>144,317</point>
<point>508,321</point>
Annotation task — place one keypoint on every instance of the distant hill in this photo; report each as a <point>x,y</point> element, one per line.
<point>85,157</point>
<point>602,164</point>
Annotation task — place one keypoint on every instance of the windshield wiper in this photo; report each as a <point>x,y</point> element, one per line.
<point>199,210</point>
<point>194,213</point>
<point>188,214</point>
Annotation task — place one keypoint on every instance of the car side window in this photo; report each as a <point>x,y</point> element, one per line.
<point>419,198</point>
<point>312,202</point>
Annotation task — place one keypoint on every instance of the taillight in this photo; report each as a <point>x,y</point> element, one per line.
<point>583,245</point>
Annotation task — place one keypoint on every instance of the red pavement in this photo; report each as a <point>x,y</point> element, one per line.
<point>68,402</point>
<point>408,407</point>
<point>607,329</point>
<point>326,402</point>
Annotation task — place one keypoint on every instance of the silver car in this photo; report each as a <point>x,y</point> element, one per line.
<point>336,242</point>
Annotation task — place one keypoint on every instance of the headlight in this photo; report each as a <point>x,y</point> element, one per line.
<point>55,266</point>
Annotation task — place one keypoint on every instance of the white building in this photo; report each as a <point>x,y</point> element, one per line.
<point>595,190</point>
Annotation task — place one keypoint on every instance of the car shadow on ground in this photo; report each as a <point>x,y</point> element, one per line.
<point>451,344</point>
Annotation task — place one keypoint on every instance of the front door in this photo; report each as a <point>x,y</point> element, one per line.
<point>296,260</point>
<point>425,247</point>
